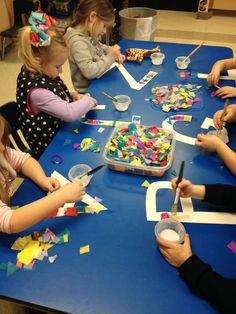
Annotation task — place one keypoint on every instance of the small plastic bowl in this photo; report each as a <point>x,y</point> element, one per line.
<point>180,64</point>
<point>122,103</point>
<point>76,171</point>
<point>170,230</point>
<point>157,58</point>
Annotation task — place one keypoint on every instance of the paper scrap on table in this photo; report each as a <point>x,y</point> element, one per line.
<point>145,184</point>
<point>84,249</point>
<point>232,246</point>
<point>99,107</point>
<point>87,199</point>
<point>52,258</point>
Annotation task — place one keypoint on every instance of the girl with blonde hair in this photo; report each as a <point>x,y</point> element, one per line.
<point>43,100</point>
<point>89,58</point>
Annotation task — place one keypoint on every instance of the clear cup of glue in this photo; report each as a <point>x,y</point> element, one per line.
<point>170,230</point>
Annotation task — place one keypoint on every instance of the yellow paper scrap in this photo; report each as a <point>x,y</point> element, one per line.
<point>84,249</point>
<point>21,242</point>
<point>65,237</point>
<point>145,184</point>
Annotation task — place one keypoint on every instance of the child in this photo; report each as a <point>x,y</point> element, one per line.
<point>89,59</point>
<point>217,290</point>
<point>214,144</point>
<point>213,77</point>
<point>44,102</point>
<point>12,221</point>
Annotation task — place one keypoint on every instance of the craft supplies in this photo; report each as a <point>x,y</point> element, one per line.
<point>157,58</point>
<point>193,52</point>
<point>109,96</point>
<point>77,171</point>
<point>177,192</point>
<point>122,102</point>
<point>137,55</point>
<point>181,64</point>
<point>144,150</point>
<point>91,172</point>
<point>171,230</point>
<point>176,96</point>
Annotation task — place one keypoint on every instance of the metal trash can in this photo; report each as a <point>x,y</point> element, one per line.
<point>138,23</point>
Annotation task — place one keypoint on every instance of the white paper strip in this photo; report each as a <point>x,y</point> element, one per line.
<point>188,214</point>
<point>223,77</point>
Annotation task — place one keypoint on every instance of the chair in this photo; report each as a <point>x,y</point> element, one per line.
<point>17,140</point>
<point>22,10</point>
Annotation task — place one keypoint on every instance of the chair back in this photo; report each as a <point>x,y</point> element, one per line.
<point>10,113</point>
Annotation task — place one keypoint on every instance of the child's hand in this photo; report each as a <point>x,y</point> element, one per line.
<point>72,192</point>
<point>208,141</point>
<point>115,51</point>
<point>213,78</point>
<point>230,116</point>
<point>226,92</point>
<point>174,253</point>
<point>94,101</point>
<point>185,187</point>
<point>121,59</point>
<point>50,184</point>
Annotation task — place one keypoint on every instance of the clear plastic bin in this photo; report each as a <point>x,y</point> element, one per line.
<point>141,169</point>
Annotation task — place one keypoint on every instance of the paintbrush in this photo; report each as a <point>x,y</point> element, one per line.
<point>177,192</point>
<point>193,51</point>
<point>90,172</point>
<point>222,117</point>
<point>109,96</point>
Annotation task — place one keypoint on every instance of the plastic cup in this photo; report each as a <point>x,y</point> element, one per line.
<point>157,58</point>
<point>170,230</point>
<point>77,171</point>
<point>180,64</point>
<point>122,103</point>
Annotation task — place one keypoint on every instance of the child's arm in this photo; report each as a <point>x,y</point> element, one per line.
<point>225,64</point>
<point>229,116</point>
<point>187,189</point>
<point>226,92</point>
<point>32,170</point>
<point>28,215</point>
<point>42,100</point>
<point>213,144</point>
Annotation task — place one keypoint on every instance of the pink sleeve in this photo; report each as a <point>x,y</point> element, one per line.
<point>43,100</point>
<point>17,158</point>
<point>5,217</point>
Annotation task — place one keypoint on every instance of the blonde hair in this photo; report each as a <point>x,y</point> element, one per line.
<point>103,9</point>
<point>4,196</point>
<point>32,56</point>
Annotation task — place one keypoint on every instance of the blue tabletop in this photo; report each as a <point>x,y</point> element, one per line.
<point>124,271</point>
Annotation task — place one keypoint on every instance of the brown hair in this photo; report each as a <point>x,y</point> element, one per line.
<point>103,9</point>
<point>31,56</point>
<point>4,196</point>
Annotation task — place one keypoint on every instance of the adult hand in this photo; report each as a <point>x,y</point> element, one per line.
<point>174,253</point>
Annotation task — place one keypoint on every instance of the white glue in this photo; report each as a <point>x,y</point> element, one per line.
<point>169,235</point>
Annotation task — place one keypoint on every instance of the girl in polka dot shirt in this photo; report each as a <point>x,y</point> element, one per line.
<point>43,100</point>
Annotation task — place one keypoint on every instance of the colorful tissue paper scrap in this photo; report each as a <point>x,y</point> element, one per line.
<point>176,96</point>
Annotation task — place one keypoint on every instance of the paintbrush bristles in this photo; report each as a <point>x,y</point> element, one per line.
<point>174,209</point>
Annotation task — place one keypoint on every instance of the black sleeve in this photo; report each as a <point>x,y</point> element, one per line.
<point>221,194</point>
<point>217,290</point>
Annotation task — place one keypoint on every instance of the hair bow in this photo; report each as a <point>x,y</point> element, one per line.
<point>40,23</point>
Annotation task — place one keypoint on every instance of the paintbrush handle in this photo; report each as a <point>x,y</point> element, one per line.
<point>109,96</point>
<point>193,51</point>
<point>224,113</point>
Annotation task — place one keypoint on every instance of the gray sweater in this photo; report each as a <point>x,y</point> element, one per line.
<point>88,58</point>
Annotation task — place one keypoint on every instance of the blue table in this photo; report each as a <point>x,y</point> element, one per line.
<point>124,271</point>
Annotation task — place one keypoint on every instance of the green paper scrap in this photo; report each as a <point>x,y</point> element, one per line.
<point>67,142</point>
<point>3,266</point>
<point>76,131</point>
<point>11,268</point>
<point>173,173</point>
